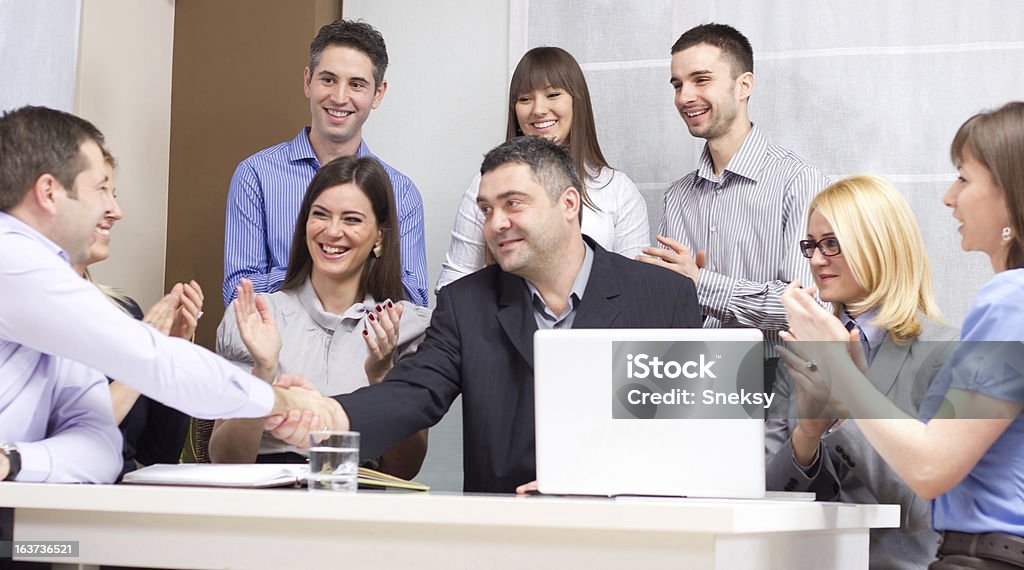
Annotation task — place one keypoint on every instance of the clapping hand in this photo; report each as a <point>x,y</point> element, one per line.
<point>186,318</point>
<point>812,392</point>
<point>381,336</point>
<point>808,362</point>
<point>177,313</point>
<point>677,257</point>
<point>258,330</point>
<point>161,315</point>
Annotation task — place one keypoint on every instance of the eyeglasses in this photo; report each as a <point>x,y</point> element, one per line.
<point>829,247</point>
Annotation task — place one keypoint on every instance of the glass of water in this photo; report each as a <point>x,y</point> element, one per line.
<point>333,460</point>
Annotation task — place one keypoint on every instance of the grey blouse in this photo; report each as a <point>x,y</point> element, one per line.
<point>327,349</point>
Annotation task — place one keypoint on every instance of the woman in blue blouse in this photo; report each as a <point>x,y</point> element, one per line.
<point>967,450</point>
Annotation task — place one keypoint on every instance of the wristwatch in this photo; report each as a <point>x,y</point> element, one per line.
<point>13,457</point>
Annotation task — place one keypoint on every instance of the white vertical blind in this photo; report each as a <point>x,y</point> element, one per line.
<point>38,53</point>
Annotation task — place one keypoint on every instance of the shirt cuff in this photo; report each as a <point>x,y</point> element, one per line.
<point>714,291</point>
<point>35,462</point>
<point>261,400</point>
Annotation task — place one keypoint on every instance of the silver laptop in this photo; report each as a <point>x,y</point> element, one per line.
<point>673,412</point>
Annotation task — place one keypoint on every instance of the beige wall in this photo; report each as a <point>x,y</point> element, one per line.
<point>235,93</point>
<point>124,88</point>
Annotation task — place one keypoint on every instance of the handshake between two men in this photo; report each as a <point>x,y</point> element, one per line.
<point>299,408</point>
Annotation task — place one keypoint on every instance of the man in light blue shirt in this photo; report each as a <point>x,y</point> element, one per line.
<point>59,335</point>
<point>344,82</point>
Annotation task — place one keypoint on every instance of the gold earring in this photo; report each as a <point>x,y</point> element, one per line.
<point>378,249</point>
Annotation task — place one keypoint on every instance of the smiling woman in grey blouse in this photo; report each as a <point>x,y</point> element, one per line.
<point>339,319</point>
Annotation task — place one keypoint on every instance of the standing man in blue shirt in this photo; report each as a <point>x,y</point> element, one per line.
<point>344,82</point>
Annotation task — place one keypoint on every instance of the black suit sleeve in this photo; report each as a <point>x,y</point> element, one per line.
<point>417,392</point>
<point>686,311</point>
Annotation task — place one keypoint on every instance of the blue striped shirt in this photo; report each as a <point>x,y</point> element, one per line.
<point>263,202</point>
<point>749,220</point>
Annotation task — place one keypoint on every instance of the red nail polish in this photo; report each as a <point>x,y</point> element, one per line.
<point>390,305</point>
<point>379,309</point>
<point>366,332</point>
<point>371,316</point>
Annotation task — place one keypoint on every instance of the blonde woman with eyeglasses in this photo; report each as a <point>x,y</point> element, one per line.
<point>964,448</point>
<point>868,259</point>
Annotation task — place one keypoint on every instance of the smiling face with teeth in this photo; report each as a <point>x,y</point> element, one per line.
<point>100,248</point>
<point>711,100</point>
<point>545,113</point>
<point>342,92</point>
<point>80,210</point>
<point>525,229</point>
<point>341,231</point>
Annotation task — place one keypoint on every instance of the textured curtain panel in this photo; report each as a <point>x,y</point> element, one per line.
<point>869,86</point>
<point>38,53</point>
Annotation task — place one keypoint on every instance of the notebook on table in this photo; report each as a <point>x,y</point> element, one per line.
<point>253,476</point>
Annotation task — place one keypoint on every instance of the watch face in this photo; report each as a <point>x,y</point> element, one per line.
<point>13,459</point>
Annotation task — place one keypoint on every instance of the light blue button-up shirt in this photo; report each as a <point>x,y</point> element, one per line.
<point>60,337</point>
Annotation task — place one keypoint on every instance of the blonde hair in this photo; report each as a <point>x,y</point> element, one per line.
<point>882,245</point>
<point>119,299</point>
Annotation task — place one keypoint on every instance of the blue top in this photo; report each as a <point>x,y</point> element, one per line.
<point>263,202</point>
<point>991,497</point>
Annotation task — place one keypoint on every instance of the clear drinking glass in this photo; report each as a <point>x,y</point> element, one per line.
<point>333,460</point>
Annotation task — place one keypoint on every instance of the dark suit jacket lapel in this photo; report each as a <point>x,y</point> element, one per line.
<point>886,366</point>
<point>599,308</point>
<point>515,314</point>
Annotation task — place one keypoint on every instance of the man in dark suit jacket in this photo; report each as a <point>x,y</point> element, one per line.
<point>480,340</point>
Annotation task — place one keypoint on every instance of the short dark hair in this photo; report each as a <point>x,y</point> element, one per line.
<point>551,164</point>
<point>382,276</point>
<point>733,44</point>
<point>37,140</point>
<point>354,34</point>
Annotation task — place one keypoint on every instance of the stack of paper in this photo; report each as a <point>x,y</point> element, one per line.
<point>257,475</point>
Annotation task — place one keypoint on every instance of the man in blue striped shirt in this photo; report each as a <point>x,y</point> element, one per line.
<point>734,224</point>
<point>344,82</point>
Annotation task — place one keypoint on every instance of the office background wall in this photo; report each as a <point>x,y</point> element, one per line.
<point>35,36</point>
<point>872,86</point>
<point>110,62</point>
<point>237,89</point>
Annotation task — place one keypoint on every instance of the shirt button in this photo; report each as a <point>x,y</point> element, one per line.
<point>714,228</point>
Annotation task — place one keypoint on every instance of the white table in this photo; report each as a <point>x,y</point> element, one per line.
<point>168,527</point>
